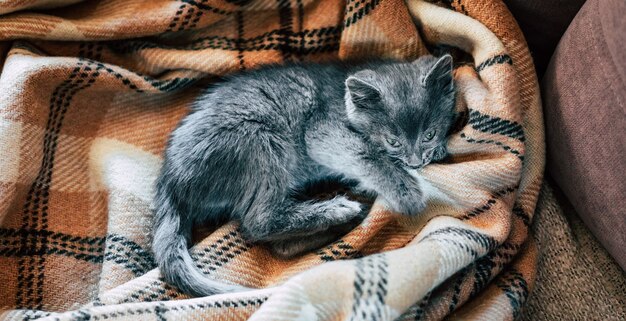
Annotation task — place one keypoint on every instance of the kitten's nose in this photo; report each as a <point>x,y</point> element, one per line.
<point>414,162</point>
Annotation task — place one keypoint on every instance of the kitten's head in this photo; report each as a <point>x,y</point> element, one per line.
<point>404,109</point>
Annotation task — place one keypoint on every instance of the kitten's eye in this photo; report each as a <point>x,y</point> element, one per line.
<point>393,142</point>
<point>430,135</point>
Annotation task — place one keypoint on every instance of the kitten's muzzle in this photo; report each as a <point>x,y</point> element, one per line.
<point>414,166</point>
<point>413,162</point>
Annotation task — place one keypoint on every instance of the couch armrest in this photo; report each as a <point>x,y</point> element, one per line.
<point>584,92</point>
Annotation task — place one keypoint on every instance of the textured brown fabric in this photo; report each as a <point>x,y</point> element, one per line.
<point>83,124</point>
<point>543,23</point>
<point>584,93</point>
<point>576,278</point>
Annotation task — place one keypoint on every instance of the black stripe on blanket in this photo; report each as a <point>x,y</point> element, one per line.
<point>132,313</point>
<point>418,310</point>
<point>495,125</point>
<point>130,255</point>
<point>452,235</point>
<point>31,265</point>
<point>26,315</point>
<point>94,243</point>
<point>356,10</point>
<point>159,310</point>
<point>165,85</point>
<point>193,12</point>
<point>488,204</point>
<point>455,5</point>
<point>489,265</point>
<point>196,19</point>
<point>221,252</point>
<point>461,276</point>
<point>507,148</point>
<point>370,288</point>
<point>203,6</point>
<point>240,30</point>
<point>239,2</point>
<point>176,19</point>
<point>513,284</point>
<point>304,42</point>
<point>519,212</point>
<point>51,250</point>
<point>285,18</point>
<point>186,20</point>
<point>495,60</point>
<point>155,291</point>
<point>339,250</point>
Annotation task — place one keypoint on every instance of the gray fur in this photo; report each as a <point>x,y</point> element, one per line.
<point>255,140</point>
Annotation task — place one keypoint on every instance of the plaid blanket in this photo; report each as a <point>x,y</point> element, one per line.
<point>89,92</point>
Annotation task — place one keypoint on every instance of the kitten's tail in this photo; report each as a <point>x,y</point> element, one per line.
<point>176,265</point>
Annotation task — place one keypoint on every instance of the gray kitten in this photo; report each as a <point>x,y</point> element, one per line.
<point>253,142</point>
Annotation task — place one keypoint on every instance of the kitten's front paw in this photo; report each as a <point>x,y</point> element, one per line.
<point>407,201</point>
<point>345,210</point>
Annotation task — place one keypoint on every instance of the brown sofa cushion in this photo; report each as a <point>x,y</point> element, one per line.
<point>584,92</point>
<point>543,23</point>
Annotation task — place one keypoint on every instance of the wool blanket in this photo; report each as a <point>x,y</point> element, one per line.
<point>90,90</point>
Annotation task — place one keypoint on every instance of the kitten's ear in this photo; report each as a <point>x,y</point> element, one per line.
<point>360,88</point>
<point>440,73</point>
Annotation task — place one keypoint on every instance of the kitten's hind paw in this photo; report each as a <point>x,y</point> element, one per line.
<point>298,245</point>
<point>287,249</point>
<point>315,216</point>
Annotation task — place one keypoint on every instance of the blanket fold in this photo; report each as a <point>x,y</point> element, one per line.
<point>90,90</point>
